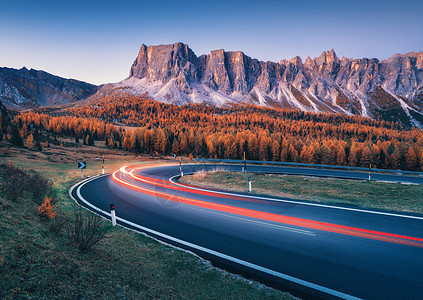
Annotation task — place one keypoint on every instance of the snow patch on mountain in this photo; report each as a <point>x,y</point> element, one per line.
<point>364,111</point>
<point>406,109</point>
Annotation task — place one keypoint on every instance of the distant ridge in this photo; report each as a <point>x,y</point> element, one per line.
<point>25,88</point>
<point>391,89</point>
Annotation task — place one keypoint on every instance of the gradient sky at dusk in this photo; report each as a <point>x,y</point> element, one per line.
<point>98,41</point>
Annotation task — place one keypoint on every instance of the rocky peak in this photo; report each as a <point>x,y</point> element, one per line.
<point>344,61</point>
<point>235,67</point>
<point>331,57</point>
<point>216,75</point>
<point>309,63</point>
<point>164,62</point>
<point>283,62</point>
<point>297,61</point>
<point>327,57</point>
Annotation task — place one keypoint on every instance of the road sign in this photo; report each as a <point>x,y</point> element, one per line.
<point>82,165</point>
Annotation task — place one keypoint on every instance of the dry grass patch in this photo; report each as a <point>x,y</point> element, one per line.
<point>202,174</point>
<point>357,193</point>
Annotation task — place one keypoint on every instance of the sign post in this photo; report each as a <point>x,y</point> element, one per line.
<point>370,172</point>
<point>245,171</point>
<point>180,166</point>
<point>113,214</point>
<point>244,168</point>
<point>82,165</point>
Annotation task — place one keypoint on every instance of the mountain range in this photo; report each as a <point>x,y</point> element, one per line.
<point>25,88</point>
<point>390,89</point>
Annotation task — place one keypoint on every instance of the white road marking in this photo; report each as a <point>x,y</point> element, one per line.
<point>210,251</point>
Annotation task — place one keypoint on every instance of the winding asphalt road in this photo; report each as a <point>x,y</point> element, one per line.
<point>314,250</point>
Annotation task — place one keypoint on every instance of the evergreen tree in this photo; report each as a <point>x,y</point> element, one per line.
<point>16,138</point>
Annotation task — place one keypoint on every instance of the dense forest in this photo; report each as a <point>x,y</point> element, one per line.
<point>137,123</point>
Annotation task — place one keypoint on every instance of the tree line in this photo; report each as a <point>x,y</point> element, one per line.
<point>139,124</point>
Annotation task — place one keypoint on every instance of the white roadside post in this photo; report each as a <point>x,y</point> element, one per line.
<point>180,166</point>
<point>370,172</point>
<point>113,214</point>
<point>102,166</point>
<point>249,184</point>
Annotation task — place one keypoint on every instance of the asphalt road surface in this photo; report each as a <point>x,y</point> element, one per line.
<point>310,249</point>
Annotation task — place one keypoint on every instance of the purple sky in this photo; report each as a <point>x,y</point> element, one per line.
<point>97,42</point>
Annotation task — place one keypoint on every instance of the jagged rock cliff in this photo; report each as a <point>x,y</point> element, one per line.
<point>391,89</point>
<point>25,88</point>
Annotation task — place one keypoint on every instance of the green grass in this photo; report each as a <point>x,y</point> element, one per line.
<point>356,193</point>
<point>36,262</point>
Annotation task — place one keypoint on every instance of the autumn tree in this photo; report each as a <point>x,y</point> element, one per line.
<point>160,141</point>
<point>29,143</point>
<point>411,159</point>
<point>366,157</point>
<point>326,155</point>
<point>395,158</point>
<point>341,156</point>
<point>354,156</point>
<point>276,150</point>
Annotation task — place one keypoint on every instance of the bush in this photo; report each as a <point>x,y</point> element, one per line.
<point>40,187</point>
<point>15,180</point>
<point>85,230</point>
<point>47,209</point>
<point>57,223</point>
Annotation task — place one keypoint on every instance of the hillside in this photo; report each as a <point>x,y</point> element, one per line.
<point>39,260</point>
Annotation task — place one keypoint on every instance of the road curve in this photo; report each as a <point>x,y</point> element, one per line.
<point>319,250</point>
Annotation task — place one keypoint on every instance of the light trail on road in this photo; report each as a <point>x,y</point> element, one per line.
<point>340,251</point>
